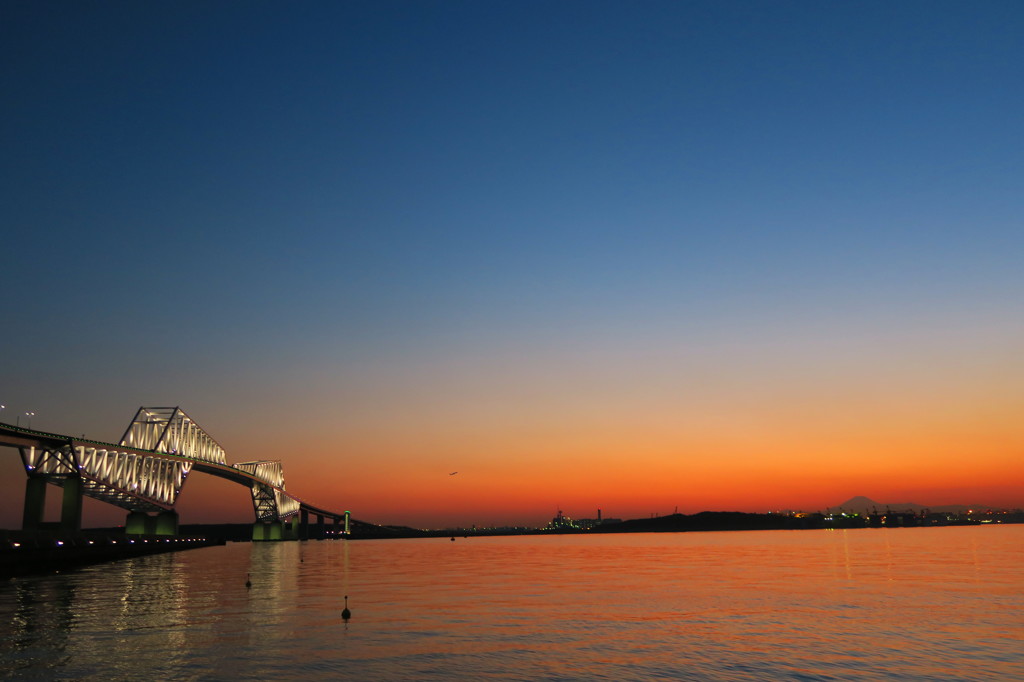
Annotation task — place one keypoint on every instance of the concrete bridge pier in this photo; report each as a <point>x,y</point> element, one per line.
<point>71,506</point>
<point>271,531</point>
<point>141,523</point>
<point>167,522</point>
<point>274,531</point>
<point>291,529</point>
<point>35,504</point>
<point>304,532</point>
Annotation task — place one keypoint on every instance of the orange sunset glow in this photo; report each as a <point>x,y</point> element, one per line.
<point>771,423</point>
<point>720,268</point>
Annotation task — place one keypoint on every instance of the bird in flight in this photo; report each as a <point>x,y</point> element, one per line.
<point>453,473</point>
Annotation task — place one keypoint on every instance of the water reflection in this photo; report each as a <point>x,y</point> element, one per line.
<point>860,604</point>
<point>39,626</point>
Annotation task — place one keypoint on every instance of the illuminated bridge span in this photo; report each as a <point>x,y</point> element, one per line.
<point>145,472</point>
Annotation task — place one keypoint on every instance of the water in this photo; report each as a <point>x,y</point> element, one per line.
<point>885,604</point>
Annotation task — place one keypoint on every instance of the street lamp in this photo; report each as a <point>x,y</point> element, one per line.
<point>3,407</point>
<point>30,415</point>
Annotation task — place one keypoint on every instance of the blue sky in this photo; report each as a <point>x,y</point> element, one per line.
<point>278,209</point>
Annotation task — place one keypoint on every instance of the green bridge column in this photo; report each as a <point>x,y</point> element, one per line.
<point>291,529</point>
<point>71,507</point>
<point>137,523</point>
<point>167,523</point>
<point>35,503</point>
<point>267,532</point>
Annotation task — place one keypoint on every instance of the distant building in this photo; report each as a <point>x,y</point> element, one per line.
<point>563,522</point>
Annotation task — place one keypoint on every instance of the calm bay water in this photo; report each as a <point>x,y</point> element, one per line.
<point>872,604</point>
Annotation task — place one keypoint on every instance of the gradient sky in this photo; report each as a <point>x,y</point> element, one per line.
<point>617,255</point>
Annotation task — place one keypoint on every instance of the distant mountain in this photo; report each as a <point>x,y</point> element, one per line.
<point>865,505</point>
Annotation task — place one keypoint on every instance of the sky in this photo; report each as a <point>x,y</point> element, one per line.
<point>635,257</point>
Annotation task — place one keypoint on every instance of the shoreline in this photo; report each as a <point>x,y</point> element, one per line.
<point>33,553</point>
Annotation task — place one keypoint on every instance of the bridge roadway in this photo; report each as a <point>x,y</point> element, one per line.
<point>26,439</point>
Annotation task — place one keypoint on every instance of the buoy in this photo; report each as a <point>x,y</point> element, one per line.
<point>453,538</point>
<point>248,580</point>
<point>345,613</point>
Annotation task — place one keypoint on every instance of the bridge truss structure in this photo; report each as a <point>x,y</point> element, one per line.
<point>146,471</point>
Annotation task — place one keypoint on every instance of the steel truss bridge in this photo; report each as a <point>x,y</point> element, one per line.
<point>144,473</point>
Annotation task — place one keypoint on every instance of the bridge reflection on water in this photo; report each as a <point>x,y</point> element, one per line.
<point>145,472</point>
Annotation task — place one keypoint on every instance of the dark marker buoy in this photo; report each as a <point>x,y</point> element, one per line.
<point>345,613</point>
<point>248,580</point>
<point>453,538</point>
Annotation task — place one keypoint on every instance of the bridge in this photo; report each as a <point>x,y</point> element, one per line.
<point>144,473</point>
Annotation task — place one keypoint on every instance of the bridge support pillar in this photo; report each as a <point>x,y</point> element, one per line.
<point>71,507</point>
<point>267,532</point>
<point>291,529</point>
<point>138,523</point>
<point>319,527</point>
<point>35,503</point>
<point>166,523</point>
<point>304,525</point>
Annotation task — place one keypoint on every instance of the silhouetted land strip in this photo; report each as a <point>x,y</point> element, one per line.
<point>24,553</point>
<point>723,521</point>
<point>673,523</point>
<point>710,521</point>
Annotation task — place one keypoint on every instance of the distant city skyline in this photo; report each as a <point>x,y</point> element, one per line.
<point>706,255</point>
